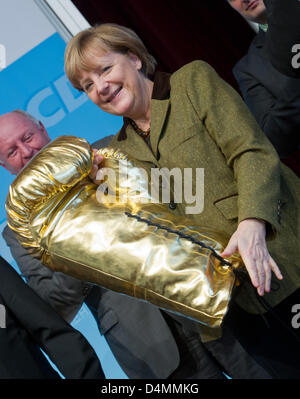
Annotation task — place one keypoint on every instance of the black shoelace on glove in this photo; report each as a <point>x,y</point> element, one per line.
<point>241,274</point>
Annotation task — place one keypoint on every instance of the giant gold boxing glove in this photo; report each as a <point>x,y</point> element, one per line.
<point>117,237</point>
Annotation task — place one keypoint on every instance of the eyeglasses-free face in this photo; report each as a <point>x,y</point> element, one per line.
<point>116,84</point>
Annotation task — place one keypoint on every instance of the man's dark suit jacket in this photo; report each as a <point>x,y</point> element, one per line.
<point>273,98</point>
<point>28,323</point>
<point>137,332</point>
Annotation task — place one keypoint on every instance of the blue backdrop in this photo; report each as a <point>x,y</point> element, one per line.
<point>36,83</point>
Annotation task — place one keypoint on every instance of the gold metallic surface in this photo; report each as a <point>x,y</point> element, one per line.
<point>102,234</point>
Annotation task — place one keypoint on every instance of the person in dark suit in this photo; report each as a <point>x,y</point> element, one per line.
<point>27,324</point>
<point>283,36</point>
<point>272,97</point>
<point>147,342</point>
<point>281,20</point>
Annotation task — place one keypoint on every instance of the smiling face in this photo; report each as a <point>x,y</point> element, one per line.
<point>20,140</point>
<point>252,10</point>
<point>116,84</point>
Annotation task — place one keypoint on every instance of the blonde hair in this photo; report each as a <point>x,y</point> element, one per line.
<point>108,37</point>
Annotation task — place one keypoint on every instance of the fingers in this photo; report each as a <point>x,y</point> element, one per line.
<point>95,167</point>
<point>231,248</point>
<point>265,266</point>
<point>275,269</point>
<point>268,276</point>
<point>251,266</point>
<point>256,275</point>
<point>99,176</point>
<point>97,160</point>
<point>260,267</point>
<point>249,240</point>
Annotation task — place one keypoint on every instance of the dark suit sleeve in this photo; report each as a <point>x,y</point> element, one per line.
<point>64,293</point>
<point>279,118</point>
<point>65,346</point>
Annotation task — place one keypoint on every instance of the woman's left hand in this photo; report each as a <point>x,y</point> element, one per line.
<point>250,242</point>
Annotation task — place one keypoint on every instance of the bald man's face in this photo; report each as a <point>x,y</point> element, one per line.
<point>252,10</point>
<point>20,140</point>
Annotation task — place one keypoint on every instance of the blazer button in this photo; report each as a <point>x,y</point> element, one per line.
<point>172,205</point>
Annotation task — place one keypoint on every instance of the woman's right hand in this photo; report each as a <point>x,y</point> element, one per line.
<point>95,167</point>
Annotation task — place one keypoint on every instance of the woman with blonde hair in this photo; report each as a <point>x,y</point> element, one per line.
<point>193,119</point>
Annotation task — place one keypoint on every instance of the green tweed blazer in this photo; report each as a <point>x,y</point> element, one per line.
<point>199,121</point>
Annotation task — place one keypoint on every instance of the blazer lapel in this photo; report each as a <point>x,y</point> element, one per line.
<point>159,111</point>
<point>134,145</point>
<point>160,105</point>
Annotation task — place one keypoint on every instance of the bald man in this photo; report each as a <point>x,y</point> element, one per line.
<point>21,137</point>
